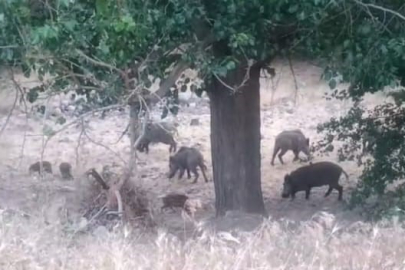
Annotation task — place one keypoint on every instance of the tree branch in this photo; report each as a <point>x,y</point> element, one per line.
<point>380,8</point>
<point>98,62</point>
<point>10,113</point>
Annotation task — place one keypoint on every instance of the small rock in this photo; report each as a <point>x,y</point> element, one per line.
<point>195,122</point>
<point>65,140</point>
<point>290,111</point>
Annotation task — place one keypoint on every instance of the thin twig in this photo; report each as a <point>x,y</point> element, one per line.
<point>102,145</point>
<point>295,78</point>
<point>10,113</point>
<point>22,99</point>
<point>242,84</point>
<point>9,47</point>
<point>44,142</point>
<point>98,62</point>
<point>78,144</point>
<point>122,134</point>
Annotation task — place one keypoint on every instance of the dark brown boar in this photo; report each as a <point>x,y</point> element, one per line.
<point>158,133</point>
<point>293,140</point>
<point>36,167</point>
<point>65,170</point>
<point>187,159</point>
<point>313,175</point>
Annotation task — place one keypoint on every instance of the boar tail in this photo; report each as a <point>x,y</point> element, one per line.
<point>346,175</point>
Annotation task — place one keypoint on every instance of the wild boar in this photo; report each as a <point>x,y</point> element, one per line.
<point>313,175</point>
<point>187,158</point>
<point>158,133</point>
<point>36,167</point>
<point>290,140</point>
<point>66,170</point>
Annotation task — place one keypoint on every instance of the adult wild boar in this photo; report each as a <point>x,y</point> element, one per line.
<point>36,167</point>
<point>158,133</point>
<point>314,175</point>
<point>293,140</point>
<point>187,159</point>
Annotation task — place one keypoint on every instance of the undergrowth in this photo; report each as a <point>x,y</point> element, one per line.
<point>316,244</point>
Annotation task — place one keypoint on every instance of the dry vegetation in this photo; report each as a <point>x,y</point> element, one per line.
<point>42,224</point>
<point>315,244</point>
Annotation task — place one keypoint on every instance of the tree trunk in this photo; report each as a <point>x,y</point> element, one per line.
<point>235,143</point>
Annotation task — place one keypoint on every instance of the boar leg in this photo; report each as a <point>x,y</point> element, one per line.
<point>146,147</point>
<point>194,170</point>
<point>307,192</point>
<point>274,155</point>
<point>293,194</point>
<point>296,153</point>
<point>172,147</point>
<point>182,170</point>
<point>340,189</point>
<point>188,173</point>
<point>329,191</point>
<point>280,156</point>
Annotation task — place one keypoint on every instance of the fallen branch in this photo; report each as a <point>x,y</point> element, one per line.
<point>119,199</point>
<point>98,178</point>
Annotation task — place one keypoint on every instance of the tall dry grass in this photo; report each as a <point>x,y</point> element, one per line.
<point>317,244</point>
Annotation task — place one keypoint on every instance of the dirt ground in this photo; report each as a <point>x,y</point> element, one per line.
<point>22,141</point>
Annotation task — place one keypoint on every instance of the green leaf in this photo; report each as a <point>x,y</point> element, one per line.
<point>293,9</point>
<point>70,25</point>
<point>346,43</point>
<point>230,65</point>
<point>365,29</point>
<point>102,7</point>
<point>384,49</point>
<point>61,120</point>
<point>301,16</point>
<point>48,131</point>
<point>64,3</point>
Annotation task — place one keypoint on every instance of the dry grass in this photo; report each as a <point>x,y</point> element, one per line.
<point>317,244</point>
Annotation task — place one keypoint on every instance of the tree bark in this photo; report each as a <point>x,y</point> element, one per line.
<point>235,143</point>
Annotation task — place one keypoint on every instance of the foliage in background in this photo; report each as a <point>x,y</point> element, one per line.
<point>117,48</point>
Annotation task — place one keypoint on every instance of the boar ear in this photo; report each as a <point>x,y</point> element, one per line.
<point>307,141</point>
<point>287,178</point>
